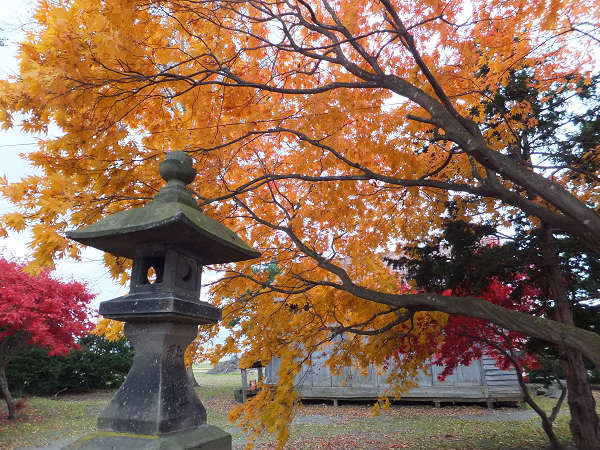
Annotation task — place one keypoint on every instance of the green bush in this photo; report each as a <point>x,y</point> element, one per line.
<point>100,364</point>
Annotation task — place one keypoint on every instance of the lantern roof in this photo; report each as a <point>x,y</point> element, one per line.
<point>172,218</point>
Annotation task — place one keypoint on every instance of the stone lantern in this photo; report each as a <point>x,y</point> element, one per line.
<point>169,240</point>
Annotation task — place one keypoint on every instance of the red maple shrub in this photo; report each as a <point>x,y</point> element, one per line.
<point>38,310</point>
<point>467,338</point>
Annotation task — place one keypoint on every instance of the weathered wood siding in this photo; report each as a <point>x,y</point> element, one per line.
<point>481,381</point>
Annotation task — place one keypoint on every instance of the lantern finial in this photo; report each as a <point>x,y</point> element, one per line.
<point>178,168</point>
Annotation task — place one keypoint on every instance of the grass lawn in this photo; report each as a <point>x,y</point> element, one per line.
<point>45,421</point>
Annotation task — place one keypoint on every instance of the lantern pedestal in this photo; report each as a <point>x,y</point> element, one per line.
<point>156,407</point>
<point>156,397</point>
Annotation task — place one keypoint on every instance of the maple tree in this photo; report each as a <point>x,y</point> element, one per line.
<point>325,133</point>
<point>41,311</point>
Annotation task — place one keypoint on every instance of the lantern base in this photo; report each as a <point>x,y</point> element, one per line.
<point>157,396</point>
<point>204,437</point>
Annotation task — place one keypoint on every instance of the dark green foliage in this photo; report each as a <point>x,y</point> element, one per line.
<point>558,135</point>
<point>100,364</point>
<point>455,260</point>
<point>567,126</point>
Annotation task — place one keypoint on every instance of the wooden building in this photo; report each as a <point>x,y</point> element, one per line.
<point>480,382</point>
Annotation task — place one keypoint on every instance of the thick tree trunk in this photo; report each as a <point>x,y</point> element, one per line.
<point>545,329</point>
<point>10,402</point>
<point>584,424</point>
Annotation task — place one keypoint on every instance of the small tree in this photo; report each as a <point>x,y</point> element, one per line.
<point>38,310</point>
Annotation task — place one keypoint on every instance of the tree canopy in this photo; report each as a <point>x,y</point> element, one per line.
<point>328,134</point>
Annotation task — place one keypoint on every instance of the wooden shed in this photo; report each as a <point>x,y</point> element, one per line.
<point>480,382</point>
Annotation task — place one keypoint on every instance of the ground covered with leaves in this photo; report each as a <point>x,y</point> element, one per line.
<point>55,420</point>
<point>353,426</point>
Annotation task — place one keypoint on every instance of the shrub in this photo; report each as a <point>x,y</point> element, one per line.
<point>100,364</point>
